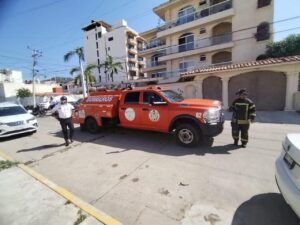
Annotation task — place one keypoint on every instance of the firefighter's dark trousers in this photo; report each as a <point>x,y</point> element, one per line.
<point>65,124</point>
<point>240,128</point>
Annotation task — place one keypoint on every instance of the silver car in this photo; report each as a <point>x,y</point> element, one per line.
<point>14,119</point>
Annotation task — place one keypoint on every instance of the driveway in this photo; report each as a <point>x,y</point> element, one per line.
<point>143,178</point>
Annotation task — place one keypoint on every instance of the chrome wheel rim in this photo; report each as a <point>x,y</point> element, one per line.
<point>186,136</point>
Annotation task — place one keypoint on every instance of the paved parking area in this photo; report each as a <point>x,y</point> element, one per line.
<point>143,178</point>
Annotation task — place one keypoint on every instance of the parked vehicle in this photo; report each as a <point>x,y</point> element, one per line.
<point>14,119</point>
<point>288,171</point>
<point>152,109</point>
<point>39,110</point>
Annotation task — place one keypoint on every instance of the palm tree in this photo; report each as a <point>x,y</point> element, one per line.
<point>111,67</point>
<point>87,74</point>
<point>79,52</point>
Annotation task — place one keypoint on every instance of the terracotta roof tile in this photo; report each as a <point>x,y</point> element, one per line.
<point>270,61</point>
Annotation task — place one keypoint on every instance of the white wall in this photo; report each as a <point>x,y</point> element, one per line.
<point>8,90</point>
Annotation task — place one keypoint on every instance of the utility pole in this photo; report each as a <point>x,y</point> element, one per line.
<point>35,55</point>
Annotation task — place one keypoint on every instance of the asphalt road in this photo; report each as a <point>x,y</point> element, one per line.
<point>143,178</point>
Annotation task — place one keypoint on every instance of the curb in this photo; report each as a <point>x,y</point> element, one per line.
<point>89,209</point>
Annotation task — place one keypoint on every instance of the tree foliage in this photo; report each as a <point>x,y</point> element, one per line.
<point>90,79</point>
<point>111,67</point>
<point>23,92</point>
<point>287,47</point>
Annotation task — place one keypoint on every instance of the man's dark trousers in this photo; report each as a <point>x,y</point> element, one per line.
<point>65,124</point>
<point>243,128</point>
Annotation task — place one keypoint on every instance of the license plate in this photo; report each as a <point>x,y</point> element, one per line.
<point>289,161</point>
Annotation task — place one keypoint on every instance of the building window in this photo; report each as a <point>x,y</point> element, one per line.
<point>99,34</point>
<point>154,60</point>
<point>108,48</point>
<point>87,37</point>
<point>202,30</point>
<point>97,53</point>
<point>263,31</point>
<point>110,38</point>
<point>99,65</point>
<point>203,58</point>
<point>202,2</point>
<point>96,36</point>
<point>185,15</point>
<point>185,66</point>
<point>96,44</point>
<point>186,42</point>
<point>263,3</point>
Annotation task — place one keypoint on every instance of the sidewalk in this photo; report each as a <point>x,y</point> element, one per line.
<point>283,117</point>
<point>26,201</point>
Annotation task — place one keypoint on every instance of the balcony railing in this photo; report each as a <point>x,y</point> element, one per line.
<point>202,43</point>
<point>154,44</point>
<point>176,73</point>
<point>154,64</point>
<point>220,7</point>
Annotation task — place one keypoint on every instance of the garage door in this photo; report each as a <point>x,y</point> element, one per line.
<point>267,89</point>
<point>212,88</point>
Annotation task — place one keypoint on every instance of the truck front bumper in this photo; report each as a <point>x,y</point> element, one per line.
<point>211,130</point>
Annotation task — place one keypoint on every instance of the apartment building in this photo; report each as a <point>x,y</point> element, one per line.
<point>201,33</point>
<point>119,41</point>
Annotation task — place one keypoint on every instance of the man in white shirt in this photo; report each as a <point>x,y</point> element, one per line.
<point>64,110</point>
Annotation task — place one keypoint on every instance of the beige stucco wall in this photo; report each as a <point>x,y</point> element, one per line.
<point>248,15</point>
<point>291,71</point>
<point>297,101</point>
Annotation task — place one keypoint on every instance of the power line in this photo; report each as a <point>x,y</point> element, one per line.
<point>38,7</point>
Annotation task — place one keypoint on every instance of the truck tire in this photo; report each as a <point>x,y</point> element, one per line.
<point>187,135</point>
<point>91,125</point>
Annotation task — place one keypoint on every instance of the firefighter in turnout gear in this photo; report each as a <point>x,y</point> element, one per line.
<point>243,113</point>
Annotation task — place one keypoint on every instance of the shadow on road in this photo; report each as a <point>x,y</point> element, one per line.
<point>42,147</point>
<point>265,209</point>
<point>10,138</point>
<point>125,140</point>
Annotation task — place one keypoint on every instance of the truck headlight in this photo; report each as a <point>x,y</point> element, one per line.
<point>212,116</point>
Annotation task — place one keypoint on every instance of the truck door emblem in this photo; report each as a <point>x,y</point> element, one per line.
<point>129,114</point>
<point>154,115</point>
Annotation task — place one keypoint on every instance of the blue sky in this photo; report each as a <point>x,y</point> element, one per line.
<point>54,26</point>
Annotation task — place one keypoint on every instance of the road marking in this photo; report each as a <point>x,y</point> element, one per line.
<point>96,213</point>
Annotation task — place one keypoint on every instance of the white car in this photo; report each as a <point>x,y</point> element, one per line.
<point>14,119</point>
<point>288,171</point>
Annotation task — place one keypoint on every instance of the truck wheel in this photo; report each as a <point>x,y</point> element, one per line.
<point>91,125</point>
<point>187,135</point>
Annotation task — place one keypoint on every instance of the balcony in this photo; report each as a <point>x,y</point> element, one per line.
<point>132,68</point>
<point>196,18</point>
<point>152,46</point>
<point>132,50</point>
<point>154,65</point>
<point>131,41</point>
<point>141,61</point>
<point>132,59</point>
<point>196,47</point>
